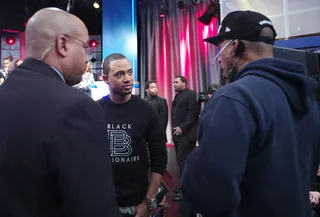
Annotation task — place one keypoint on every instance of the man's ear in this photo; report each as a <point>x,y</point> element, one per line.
<point>61,44</point>
<point>235,44</point>
<point>105,78</point>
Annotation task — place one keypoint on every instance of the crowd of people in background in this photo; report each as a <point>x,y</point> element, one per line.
<point>84,85</point>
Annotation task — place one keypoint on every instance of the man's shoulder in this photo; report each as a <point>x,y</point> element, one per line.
<point>235,91</point>
<point>190,92</point>
<point>142,105</point>
<point>162,99</point>
<point>73,98</point>
<point>247,87</point>
<point>103,100</point>
<point>138,101</point>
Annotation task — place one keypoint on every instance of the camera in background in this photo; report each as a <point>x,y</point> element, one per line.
<point>205,96</point>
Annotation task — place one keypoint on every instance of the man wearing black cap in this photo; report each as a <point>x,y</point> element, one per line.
<point>259,135</point>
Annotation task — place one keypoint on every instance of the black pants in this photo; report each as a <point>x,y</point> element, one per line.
<point>183,147</point>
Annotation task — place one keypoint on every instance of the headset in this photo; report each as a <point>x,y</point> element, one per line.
<point>240,49</point>
<point>238,52</point>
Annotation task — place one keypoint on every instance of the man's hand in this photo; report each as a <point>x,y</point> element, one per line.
<point>142,210</point>
<point>177,131</point>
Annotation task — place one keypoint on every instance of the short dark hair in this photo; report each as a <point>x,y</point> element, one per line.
<point>150,82</point>
<point>7,58</point>
<point>182,78</point>
<point>110,58</point>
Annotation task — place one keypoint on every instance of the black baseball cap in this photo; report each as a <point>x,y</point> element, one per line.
<point>245,25</point>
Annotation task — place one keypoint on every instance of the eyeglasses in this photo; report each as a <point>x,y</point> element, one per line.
<point>80,42</point>
<point>219,53</point>
<point>85,45</point>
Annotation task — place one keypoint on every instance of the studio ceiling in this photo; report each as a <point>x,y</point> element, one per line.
<point>13,13</point>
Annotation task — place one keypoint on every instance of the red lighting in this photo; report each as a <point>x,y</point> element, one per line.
<point>10,40</point>
<point>25,23</point>
<point>93,43</point>
<point>162,12</point>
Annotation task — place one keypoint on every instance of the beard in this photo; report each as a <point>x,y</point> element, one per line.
<point>124,92</point>
<point>232,74</point>
<point>153,94</point>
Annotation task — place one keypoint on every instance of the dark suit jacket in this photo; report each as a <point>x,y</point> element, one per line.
<point>161,106</point>
<point>185,113</point>
<point>54,161</point>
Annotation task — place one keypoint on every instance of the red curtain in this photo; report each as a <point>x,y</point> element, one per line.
<point>22,45</point>
<point>173,45</point>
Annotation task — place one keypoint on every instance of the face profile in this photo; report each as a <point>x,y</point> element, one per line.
<point>178,84</point>
<point>61,42</point>
<point>76,55</point>
<point>225,57</point>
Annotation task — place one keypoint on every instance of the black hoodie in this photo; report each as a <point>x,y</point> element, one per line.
<point>258,145</point>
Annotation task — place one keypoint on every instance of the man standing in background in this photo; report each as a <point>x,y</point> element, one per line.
<point>6,63</point>
<point>185,116</point>
<point>159,104</point>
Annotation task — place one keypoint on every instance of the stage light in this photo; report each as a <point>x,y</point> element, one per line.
<point>181,5</point>
<point>162,12</point>
<point>93,43</point>
<point>195,2</point>
<point>10,40</point>
<point>93,60</point>
<point>96,5</point>
<point>212,11</point>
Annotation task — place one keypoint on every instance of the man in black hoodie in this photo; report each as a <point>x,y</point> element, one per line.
<point>259,135</point>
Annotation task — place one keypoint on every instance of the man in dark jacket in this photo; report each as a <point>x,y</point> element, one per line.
<point>185,116</point>
<point>54,160</point>
<point>259,135</point>
<point>158,103</point>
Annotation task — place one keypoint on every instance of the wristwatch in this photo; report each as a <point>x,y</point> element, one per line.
<point>152,203</point>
